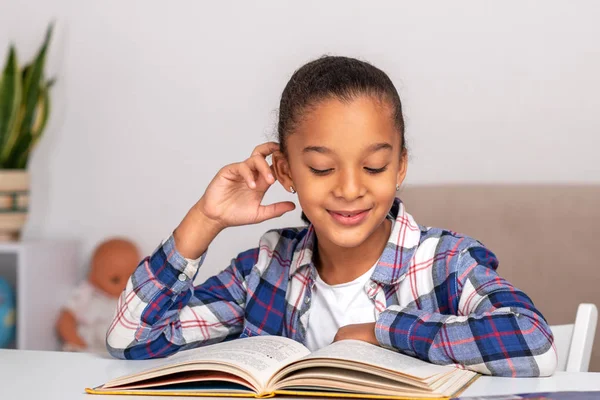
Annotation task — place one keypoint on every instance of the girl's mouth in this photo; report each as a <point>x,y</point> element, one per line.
<point>349,217</point>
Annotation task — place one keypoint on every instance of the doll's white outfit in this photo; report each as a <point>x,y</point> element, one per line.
<point>93,310</point>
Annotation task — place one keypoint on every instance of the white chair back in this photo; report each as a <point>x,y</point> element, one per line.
<point>574,341</point>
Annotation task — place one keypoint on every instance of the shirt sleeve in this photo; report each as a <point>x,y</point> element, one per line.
<point>492,327</point>
<point>161,312</point>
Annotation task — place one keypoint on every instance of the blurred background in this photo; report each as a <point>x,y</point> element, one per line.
<point>152,98</point>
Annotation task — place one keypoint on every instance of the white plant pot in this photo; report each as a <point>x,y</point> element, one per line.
<point>14,203</point>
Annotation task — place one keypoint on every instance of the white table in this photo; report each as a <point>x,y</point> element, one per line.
<point>64,376</point>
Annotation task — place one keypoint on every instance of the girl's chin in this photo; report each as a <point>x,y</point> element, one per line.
<point>348,239</point>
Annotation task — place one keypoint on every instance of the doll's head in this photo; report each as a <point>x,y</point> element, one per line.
<point>113,262</point>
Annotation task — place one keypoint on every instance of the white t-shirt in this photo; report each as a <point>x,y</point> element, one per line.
<point>334,306</point>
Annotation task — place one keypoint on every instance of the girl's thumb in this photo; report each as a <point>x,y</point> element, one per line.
<point>275,210</point>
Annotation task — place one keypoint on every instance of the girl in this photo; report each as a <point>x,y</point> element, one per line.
<point>362,268</point>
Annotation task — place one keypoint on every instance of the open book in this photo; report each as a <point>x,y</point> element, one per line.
<point>264,366</point>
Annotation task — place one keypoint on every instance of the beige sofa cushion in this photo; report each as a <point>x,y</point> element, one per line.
<point>545,237</point>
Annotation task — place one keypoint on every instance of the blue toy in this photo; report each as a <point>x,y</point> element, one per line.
<point>7,314</point>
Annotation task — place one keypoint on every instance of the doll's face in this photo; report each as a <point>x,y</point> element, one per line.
<point>112,264</point>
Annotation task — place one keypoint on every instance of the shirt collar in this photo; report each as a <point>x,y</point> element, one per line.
<point>395,260</point>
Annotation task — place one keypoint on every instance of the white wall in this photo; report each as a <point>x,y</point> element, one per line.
<point>154,97</point>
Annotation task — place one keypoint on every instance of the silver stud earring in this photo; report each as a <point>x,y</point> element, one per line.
<point>397,187</point>
<point>292,190</point>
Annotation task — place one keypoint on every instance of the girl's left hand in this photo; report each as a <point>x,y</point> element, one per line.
<point>364,332</point>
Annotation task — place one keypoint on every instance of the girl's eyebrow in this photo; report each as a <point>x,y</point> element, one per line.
<point>324,150</point>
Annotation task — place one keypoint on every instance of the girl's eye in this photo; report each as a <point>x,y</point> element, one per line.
<point>320,171</point>
<point>326,171</point>
<point>376,170</point>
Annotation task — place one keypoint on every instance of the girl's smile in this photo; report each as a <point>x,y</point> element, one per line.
<point>349,218</point>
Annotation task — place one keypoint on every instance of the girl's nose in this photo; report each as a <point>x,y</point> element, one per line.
<point>349,186</point>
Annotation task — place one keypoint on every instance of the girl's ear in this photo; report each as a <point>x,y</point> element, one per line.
<point>403,168</point>
<point>281,170</point>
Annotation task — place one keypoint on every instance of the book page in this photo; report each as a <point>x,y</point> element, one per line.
<point>333,380</point>
<point>258,356</point>
<point>363,352</point>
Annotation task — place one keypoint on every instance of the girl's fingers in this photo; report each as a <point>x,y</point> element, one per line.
<point>265,149</point>
<point>259,164</point>
<point>246,173</point>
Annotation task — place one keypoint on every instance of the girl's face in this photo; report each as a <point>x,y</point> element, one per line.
<point>344,160</point>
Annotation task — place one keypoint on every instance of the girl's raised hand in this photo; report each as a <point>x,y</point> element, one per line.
<point>235,194</point>
<point>232,198</point>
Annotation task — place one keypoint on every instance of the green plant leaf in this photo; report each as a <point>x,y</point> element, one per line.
<point>41,113</point>
<point>10,98</point>
<point>39,124</point>
<point>19,151</point>
<point>16,143</point>
<point>25,71</point>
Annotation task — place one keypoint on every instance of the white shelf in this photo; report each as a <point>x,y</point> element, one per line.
<point>7,247</point>
<point>44,274</point>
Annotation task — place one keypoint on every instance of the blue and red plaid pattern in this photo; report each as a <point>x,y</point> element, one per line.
<point>436,294</point>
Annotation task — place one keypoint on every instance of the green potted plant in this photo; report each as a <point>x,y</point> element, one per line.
<point>24,109</point>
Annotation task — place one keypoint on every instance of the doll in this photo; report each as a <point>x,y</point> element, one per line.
<point>83,321</point>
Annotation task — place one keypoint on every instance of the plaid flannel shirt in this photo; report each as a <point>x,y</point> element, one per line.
<point>436,295</point>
